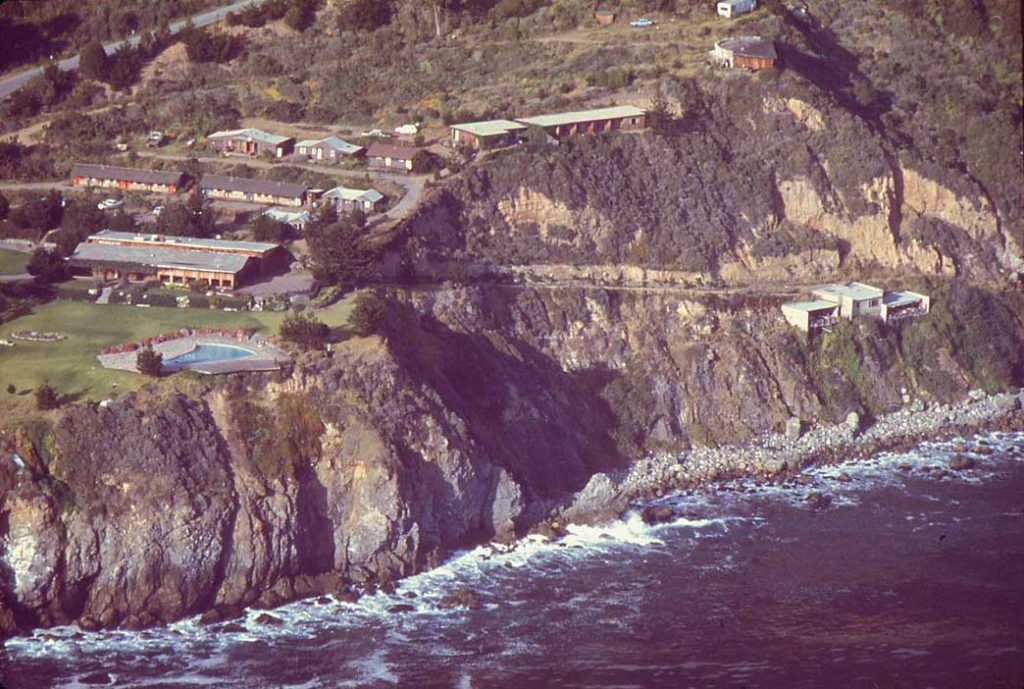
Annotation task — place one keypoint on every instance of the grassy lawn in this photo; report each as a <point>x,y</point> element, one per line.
<point>12,262</point>
<point>71,366</point>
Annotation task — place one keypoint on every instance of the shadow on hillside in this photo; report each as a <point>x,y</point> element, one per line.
<point>548,428</point>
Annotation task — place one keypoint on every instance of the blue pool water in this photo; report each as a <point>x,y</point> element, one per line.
<point>205,353</point>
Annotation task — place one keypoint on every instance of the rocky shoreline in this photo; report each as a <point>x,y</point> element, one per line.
<point>778,458</point>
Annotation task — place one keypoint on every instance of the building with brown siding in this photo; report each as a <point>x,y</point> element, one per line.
<point>174,260</point>
<point>126,178</point>
<point>617,118</point>
<point>487,134</point>
<point>251,142</point>
<point>745,52</point>
<point>391,157</point>
<point>253,190</point>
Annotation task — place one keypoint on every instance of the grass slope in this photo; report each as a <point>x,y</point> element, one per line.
<point>12,262</point>
<point>71,366</point>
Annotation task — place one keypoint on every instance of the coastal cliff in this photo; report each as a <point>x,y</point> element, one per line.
<point>476,414</point>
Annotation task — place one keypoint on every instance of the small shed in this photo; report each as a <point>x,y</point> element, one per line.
<point>604,15</point>
<point>746,52</point>
<point>810,316</point>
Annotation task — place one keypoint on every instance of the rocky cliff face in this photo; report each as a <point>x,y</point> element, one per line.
<point>480,410</point>
<point>753,186</point>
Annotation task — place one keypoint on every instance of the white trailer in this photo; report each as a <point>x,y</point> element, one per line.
<point>733,8</point>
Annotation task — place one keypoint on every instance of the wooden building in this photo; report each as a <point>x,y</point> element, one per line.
<point>487,134</point>
<point>617,118</point>
<point>253,190</point>
<point>604,15</point>
<point>391,157</point>
<point>346,200</point>
<point>172,260</point>
<point>745,52</point>
<point>251,142</point>
<point>329,149</point>
<point>126,178</point>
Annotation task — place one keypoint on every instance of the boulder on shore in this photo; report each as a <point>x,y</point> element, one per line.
<point>961,462</point>
<point>461,598</point>
<point>657,514</point>
<point>794,428</point>
<point>818,500</point>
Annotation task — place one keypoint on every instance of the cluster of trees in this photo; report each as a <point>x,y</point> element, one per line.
<point>208,46</point>
<point>337,251</point>
<point>192,218</point>
<point>149,363</point>
<point>266,229</point>
<point>45,91</point>
<point>298,14</point>
<point>305,330</point>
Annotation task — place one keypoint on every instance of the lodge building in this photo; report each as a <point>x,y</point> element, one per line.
<point>214,263</point>
<point>253,190</point>
<point>126,178</point>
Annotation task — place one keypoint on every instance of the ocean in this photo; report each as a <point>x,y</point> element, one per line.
<point>908,578</point>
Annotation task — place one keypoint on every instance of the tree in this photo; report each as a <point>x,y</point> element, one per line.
<point>302,13</point>
<point>5,207</point>
<point>47,266</point>
<point>123,68</point>
<point>193,218</point>
<point>338,254</point>
<point>305,330</point>
<point>46,397</point>
<point>659,116</point>
<point>92,60</point>
<point>364,15</point>
<point>367,314</point>
<point>149,363</point>
<point>266,229</point>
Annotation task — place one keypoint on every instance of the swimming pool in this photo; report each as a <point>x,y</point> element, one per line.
<point>206,353</point>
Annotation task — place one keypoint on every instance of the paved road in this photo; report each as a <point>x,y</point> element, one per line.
<point>16,81</point>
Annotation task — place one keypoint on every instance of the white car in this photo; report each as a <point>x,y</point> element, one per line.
<point>157,210</point>
<point>641,23</point>
<point>109,204</point>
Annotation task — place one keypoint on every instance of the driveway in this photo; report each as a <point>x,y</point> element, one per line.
<point>16,81</point>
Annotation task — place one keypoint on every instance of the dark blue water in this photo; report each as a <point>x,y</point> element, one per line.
<point>907,580</point>
<point>206,353</point>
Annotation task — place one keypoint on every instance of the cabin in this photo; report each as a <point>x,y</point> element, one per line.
<point>853,298</point>
<point>181,261</point>
<point>126,178</point>
<point>346,200</point>
<point>617,118</point>
<point>251,142</point>
<point>253,190</point>
<point>745,52</point>
<point>810,316</point>
<point>390,157</point>
<point>330,149</point>
<point>604,15</point>
<point>487,134</point>
<point>297,220</point>
<point>734,8</point>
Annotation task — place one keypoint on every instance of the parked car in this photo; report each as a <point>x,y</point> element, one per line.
<point>642,23</point>
<point>157,210</point>
<point>109,204</point>
<point>155,139</point>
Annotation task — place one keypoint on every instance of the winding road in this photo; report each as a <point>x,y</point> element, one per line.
<point>14,82</point>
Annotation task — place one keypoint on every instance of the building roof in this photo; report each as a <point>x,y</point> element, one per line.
<point>158,257</point>
<point>287,215</point>
<point>252,186</point>
<point>126,174</point>
<point>894,299</point>
<point>251,135</point>
<point>347,194</point>
<point>583,116</point>
<point>381,149</point>
<point>749,46</point>
<point>856,291</point>
<point>331,142</point>
<point>489,127</point>
<point>192,243</point>
<point>810,306</point>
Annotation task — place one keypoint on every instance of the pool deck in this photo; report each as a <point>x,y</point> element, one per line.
<point>266,356</point>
